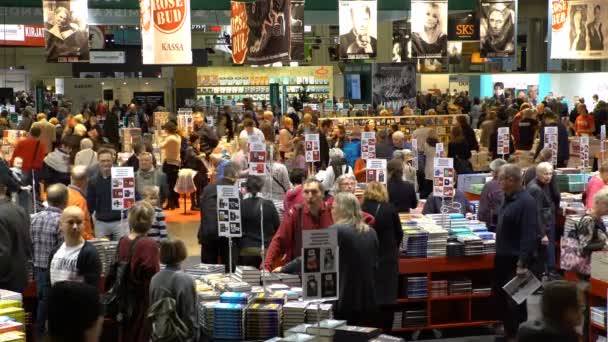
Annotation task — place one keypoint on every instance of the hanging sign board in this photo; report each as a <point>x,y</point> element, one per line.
<point>229,211</point>
<point>123,188</point>
<point>312,148</point>
<point>503,141</point>
<point>320,264</point>
<point>584,152</point>
<point>443,177</point>
<point>376,171</point>
<point>165,32</point>
<point>257,159</point>
<point>551,142</point>
<point>368,145</point>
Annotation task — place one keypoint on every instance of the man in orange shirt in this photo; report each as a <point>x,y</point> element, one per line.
<point>76,197</point>
<point>584,124</point>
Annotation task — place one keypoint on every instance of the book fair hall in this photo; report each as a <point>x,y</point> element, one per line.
<point>303,170</point>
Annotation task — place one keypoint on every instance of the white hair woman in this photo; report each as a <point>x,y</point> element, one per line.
<point>359,250</point>
<point>86,156</point>
<point>337,167</point>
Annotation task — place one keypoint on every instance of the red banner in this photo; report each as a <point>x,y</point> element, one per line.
<point>22,35</point>
<point>240,31</point>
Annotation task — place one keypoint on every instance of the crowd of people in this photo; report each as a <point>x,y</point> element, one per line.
<point>66,160</point>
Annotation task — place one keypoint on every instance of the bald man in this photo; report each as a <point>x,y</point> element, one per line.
<point>77,197</point>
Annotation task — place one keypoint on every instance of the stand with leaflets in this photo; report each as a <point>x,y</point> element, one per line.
<point>502,144</point>
<point>368,145</point>
<point>443,182</point>
<point>312,150</point>
<point>376,171</point>
<point>584,153</point>
<point>184,120</point>
<point>551,142</point>
<point>439,150</point>
<point>229,215</point>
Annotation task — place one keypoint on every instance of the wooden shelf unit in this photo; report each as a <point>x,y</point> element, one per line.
<point>452,311</point>
<point>597,297</point>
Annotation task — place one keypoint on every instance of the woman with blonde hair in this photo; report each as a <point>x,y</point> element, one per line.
<point>430,38</point>
<point>286,138</point>
<point>359,250</point>
<point>388,229</point>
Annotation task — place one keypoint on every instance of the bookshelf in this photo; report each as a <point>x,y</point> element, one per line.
<point>597,297</point>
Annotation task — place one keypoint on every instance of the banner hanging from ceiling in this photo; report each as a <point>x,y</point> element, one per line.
<point>429,29</point>
<point>261,32</point>
<point>454,52</point>
<point>463,26</point>
<point>358,29</point>
<point>22,35</point>
<point>66,33</point>
<point>498,28</point>
<point>393,84</point>
<point>165,32</point>
<point>401,38</point>
<point>579,29</point>
<point>296,23</point>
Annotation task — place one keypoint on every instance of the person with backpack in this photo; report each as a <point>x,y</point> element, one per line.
<point>173,312</point>
<point>337,167</point>
<point>138,260</point>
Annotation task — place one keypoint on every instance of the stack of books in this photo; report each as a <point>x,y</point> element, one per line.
<point>107,252</point>
<point>12,317</point>
<point>294,314</point>
<point>13,310</point>
<point>598,315</point>
<point>489,246</point>
<point>416,241</point>
<point>324,312</point>
<point>473,245</point>
<point>237,286</point>
<point>398,320</point>
<point>290,280</point>
<point>417,287</point>
<point>414,318</point>
<point>263,321</point>
<point>351,333</point>
<point>439,288</point>
<point>200,270</point>
<point>206,315</point>
<point>235,298</point>
<point>270,298</point>
<point>482,291</point>
<point>460,287</point>
<point>248,274</point>
<point>228,321</point>
<point>437,239</point>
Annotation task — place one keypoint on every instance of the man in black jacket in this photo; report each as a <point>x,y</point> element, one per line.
<point>208,137</point>
<point>326,128</point>
<point>563,145</point>
<point>516,241</point>
<point>213,246</point>
<point>15,243</point>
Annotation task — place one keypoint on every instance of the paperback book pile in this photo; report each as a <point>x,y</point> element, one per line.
<point>482,291</point>
<point>473,245</point>
<point>228,321</point>
<point>437,239</point>
<point>206,315</point>
<point>200,270</point>
<point>324,312</point>
<point>439,288</point>
<point>294,314</point>
<point>598,315</point>
<point>10,295</point>
<point>417,287</point>
<point>460,287</point>
<point>351,333</point>
<point>235,298</point>
<point>12,310</point>
<point>489,246</point>
<point>107,251</point>
<point>248,274</point>
<point>237,286</point>
<point>415,242</point>
<point>263,321</point>
<point>325,328</point>
<point>414,318</point>
<point>291,280</point>
<point>270,298</point>
<point>397,320</point>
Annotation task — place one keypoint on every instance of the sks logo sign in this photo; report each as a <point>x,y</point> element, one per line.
<point>465,30</point>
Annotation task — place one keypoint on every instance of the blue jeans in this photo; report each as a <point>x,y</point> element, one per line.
<point>42,285</point>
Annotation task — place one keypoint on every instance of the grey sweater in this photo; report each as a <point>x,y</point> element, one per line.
<point>183,289</point>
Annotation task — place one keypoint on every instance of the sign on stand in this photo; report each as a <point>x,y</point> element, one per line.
<point>320,263</point>
<point>123,188</point>
<point>439,150</point>
<point>584,152</point>
<point>551,142</point>
<point>312,148</point>
<point>229,211</point>
<point>443,177</point>
<point>376,171</point>
<point>257,159</point>
<point>415,153</point>
<point>184,120</point>
<point>368,145</point>
<point>503,141</point>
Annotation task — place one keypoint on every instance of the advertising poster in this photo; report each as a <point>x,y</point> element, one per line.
<point>296,24</point>
<point>123,188</point>
<point>578,29</point>
<point>443,177</point>
<point>454,52</point>
<point>401,38</point>
<point>22,35</point>
<point>439,150</point>
<point>229,211</point>
<point>320,264</point>
<point>503,141</point>
<point>368,145</point>
<point>431,65</point>
<point>393,84</point>
<point>358,29</point>
<point>184,120</point>
<point>239,30</point>
<point>551,142</point>
<point>376,171</point>
<point>312,148</point>
<point>415,153</point>
<point>584,153</point>
<point>463,26</point>
<point>497,28</point>
<point>165,32</point>
<point>257,159</point>
<point>66,36</point>
<point>429,28</point>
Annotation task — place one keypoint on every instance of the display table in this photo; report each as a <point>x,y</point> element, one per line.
<point>450,310</point>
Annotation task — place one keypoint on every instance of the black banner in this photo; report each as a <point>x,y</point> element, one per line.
<point>393,84</point>
<point>498,28</point>
<point>463,26</point>
<point>297,30</point>
<point>401,38</point>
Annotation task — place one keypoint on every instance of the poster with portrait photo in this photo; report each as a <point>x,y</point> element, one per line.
<point>429,29</point>
<point>358,29</point>
<point>401,39</point>
<point>463,26</point>
<point>579,29</point>
<point>229,211</point>
<point>296,24</point>
<point>66,35</point>
<point>431,65</point>
<point>454,52</point>
<point>393,84</point>
<point>498,28</point>
<point>320,264</point>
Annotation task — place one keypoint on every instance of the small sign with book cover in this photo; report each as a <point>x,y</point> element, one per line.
<point>123,187</point>
<point>368,145</point>
<point>438,150</point>
<point>503,141</point>
<point>320,264</point>
<point>376,170</point>
<point>257,159</point>
<point>443,177</point>
<point>184,120</point>
<point>415,153</point>
<point>312,148</point>
<point>584,152</point>
<point>229,211</point>
<point>551,142</point>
